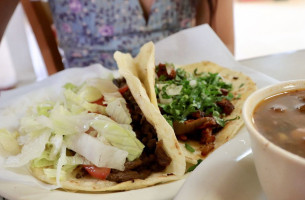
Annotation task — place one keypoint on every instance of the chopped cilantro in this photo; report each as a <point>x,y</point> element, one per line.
<point>162,78</point>
<point>196,73</point>
<point>71,86</point>
<point>230,96</point>
<point>237,97</point>
<point>241,85</point>
<point>201,96</point>
<point>189,147</point>
<point>220,121</point>
<point>235,118</point>
<point>194,166</point>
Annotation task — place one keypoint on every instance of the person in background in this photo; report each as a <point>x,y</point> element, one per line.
<point>90,31</point>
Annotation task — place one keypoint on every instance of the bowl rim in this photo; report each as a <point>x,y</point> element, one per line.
<point>261,94</point>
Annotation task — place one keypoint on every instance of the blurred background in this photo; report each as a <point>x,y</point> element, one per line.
<point>262,27</point>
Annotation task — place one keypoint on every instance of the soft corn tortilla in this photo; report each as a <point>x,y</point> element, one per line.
<point>236,78</point>
<point>165,133</point>
<point>96,185</point>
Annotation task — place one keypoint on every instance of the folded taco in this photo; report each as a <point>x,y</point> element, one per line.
<point>201,101</point>
<point>100,135</point>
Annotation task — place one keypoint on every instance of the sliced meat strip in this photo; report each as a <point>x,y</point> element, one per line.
<point>226,106</point>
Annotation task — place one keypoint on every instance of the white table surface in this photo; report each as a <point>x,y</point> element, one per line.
<point>283,66</point>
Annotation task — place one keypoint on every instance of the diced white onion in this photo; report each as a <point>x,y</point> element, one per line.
<point>163,100</point>
<point>193,83</point>
<point>173,89</point>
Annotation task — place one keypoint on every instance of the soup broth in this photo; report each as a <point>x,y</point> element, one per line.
<point>281,119</point>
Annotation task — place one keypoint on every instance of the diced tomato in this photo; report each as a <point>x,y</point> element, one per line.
<point>123,89</point>
<point>97,172</point>
<point>183,137</point>
<point>100,101</point>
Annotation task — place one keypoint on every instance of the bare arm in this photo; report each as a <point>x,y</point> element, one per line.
<point>7,8</point>
<point>221,22</point>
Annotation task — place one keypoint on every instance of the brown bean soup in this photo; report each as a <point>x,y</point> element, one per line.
<point>281,119</point>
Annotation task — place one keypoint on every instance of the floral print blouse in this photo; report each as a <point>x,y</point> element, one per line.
<point>90,31</point>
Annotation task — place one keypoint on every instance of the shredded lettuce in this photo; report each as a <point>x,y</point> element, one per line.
<point>118,111</point>
<point>44,108</point>
<point>63,173</point>
<point>56,142</point>
<point>60,163</point>
<point>33,126</point>
<point>78,104</point>
<point>109,97</point>
<point>8,142</point>
<point>67,123</point>
<point>119,137</point>
<point>89,93</point>
<point>76,160</point>
<point>71,86</point>
<point>99,135</point>
<point>128,127</point>
<point>95,151</point>
<point>43,161</point>
<point>60,167</point>
<point>33,149</point>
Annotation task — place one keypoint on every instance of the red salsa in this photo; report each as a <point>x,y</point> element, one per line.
<point>281,119</point>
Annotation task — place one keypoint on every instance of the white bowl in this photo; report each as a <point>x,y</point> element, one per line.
<point>281,173</point>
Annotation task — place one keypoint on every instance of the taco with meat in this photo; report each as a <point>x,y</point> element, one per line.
<point>99,135</point>
<point>201,101</point>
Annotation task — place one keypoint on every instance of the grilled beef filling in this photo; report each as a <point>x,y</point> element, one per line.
<point>153,157</point>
